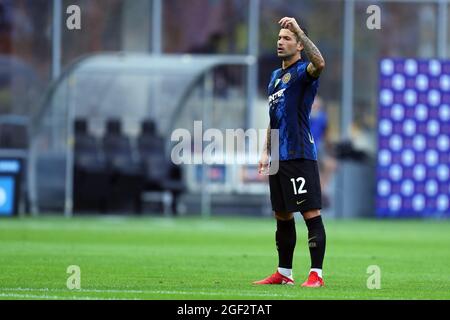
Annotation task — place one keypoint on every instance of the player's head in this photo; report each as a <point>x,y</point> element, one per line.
<point>288,44</point>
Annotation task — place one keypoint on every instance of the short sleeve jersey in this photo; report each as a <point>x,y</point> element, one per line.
<point>291,95</point>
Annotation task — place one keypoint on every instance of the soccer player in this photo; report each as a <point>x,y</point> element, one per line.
<point>296,185</point>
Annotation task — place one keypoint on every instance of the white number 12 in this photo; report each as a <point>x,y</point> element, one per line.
<point>302,185</point>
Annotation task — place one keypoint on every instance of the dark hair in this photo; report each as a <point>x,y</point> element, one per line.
<point>305,30</point>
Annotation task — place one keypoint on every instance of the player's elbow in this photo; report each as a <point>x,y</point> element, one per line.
<point>320,65</point>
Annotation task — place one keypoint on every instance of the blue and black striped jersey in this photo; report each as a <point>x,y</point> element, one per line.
<point>291,95</point>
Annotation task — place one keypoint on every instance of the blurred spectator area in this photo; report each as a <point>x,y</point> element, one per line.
<point>213,27</point>
<point>219,26</point>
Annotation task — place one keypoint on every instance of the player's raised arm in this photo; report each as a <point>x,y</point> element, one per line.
<point>317,63</point>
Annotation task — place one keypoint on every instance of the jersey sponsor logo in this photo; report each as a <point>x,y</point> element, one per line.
<point>286,78</point>
<point>300,202</point>
<point>277,95</point>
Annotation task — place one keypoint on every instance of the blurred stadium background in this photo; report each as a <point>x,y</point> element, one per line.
<point>89,112</point>
<point>86,118</point>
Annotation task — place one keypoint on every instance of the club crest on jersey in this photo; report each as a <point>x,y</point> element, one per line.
<point>286,78</point>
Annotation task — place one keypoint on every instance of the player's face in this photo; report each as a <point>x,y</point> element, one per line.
<point>287,45</point>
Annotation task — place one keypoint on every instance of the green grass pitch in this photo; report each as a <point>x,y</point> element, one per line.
<point>216,258</point>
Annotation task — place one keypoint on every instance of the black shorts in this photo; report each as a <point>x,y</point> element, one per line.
<point>296,187</point>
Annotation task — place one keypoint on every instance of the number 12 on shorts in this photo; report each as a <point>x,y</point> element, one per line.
<point>300,189</point>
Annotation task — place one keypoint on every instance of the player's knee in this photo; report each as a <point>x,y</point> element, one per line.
<point>311,214</point>
<point>283,216</point>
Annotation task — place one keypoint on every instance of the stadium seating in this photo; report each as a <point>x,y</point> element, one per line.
<point>123,169</point>
<point>91,180</point>
<point>114,174</point>
<point>163,180</point>
<point>148,140</point>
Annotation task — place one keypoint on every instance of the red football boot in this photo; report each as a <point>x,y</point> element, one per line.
<point>314,281</point>
<point>276,278</point>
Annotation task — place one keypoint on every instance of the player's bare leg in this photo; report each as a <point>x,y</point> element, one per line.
<point>316,244</point>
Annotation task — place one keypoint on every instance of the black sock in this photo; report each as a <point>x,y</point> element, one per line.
<point>316,241</point>
<point>286,238</point>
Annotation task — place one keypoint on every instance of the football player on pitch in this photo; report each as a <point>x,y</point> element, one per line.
<point>296,185</point>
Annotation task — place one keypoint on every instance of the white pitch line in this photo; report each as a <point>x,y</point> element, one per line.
<point>33,296</point>
<point>75,290</point>
<point>223,293</point>
<point>163,292</point>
